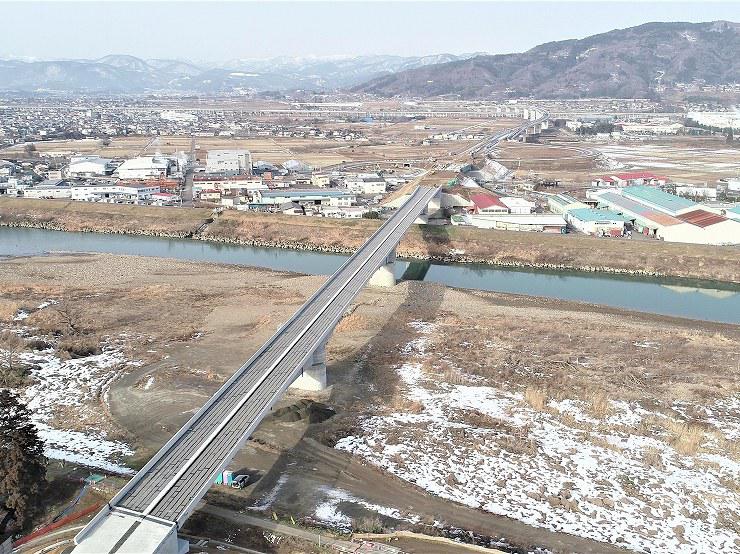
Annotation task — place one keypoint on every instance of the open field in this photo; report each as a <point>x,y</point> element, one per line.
<point>682,159</point>
<point>443,243</point>
<point>386,141</point>
<point>508,402</point>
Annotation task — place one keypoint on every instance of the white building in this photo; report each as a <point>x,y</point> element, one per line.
<point>49,189</point>
<point>119,192</point>
<point>144,168</point>
<point>367,184</point>
<point>229,162</point>
<point>239,184</point>
<point>518,205</point>
<point>89,166</point>
<point>320,180</point>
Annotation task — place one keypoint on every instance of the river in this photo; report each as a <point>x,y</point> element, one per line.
<point>684,298</point>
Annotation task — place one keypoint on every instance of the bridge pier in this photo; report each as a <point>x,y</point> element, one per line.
<point>313,376</point>
<point>385,276</point>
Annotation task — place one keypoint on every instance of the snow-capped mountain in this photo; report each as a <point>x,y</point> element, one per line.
<point>119,73</point>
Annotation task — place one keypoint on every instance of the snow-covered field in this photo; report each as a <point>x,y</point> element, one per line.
<point>658,156</point>
<point>559,467</point>
<point>60,387</point>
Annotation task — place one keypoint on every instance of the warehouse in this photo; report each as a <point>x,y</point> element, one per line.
<point>596,222</point>
<point>659,200</point>
<point>130,193</point>
<point>518,205</point>
<point>561,203</point>
<point>49,189</point>
<point>144,168</point>
<point>693,224</point>
<point>89,166</point>
<point>488,204</point>
<point>316,197</point>
<point>229,162</point>
<point>541,223</point>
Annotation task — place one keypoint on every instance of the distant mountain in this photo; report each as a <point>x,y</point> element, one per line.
<point>128,74</point>
<point>626,63</point>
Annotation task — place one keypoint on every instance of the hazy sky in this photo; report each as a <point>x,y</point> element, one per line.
<point>219,31</point>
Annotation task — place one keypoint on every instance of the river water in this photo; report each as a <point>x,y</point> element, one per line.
<point>685,298</point>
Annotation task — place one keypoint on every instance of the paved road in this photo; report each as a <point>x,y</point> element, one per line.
<point>170,485</point>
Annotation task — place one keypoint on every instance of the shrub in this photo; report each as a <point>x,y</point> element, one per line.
<point>79,347</point>
<point>536,398</point>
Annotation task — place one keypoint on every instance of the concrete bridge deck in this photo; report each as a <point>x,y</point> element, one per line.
<point>163,494</point>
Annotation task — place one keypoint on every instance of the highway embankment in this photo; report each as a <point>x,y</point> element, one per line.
<point>437,243</point>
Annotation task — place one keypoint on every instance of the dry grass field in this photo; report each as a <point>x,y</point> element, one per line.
<point>682,159</point>
<point>386,141</point>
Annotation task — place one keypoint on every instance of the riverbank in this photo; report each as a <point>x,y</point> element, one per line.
<point>443,244</point>
<point>648,400</point>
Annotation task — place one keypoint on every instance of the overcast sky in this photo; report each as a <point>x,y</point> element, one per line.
<point>220,31</point>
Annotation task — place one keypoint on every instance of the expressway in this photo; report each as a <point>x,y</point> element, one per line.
<point>147,512</point>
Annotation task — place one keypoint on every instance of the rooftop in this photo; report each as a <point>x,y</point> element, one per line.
<point>622,203</point>
<point>658,198</point>
<point>306,192</point>
<point>486,201</point>
<point>591,214</point>
<point>701,218</point>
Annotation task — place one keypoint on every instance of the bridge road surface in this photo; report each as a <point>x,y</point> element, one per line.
<point>168,488</point>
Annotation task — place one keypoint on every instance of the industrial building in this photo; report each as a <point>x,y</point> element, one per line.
<point>238,184</point>
<point>313,197</point>
<point>154,167</point>
<point>367,184</point>
<point>132,193</point>
<point>518,205</point>
<point>658,214</point>
<point>49,189</point>
<point>541,223</point>
<point>229,162</point>
<point>562,203</point>
<point>89,166</point>
<point>596,222</point>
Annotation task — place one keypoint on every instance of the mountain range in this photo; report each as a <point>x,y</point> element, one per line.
<point>635,62</point>
<point>129,74</point>
<point>625,63</point>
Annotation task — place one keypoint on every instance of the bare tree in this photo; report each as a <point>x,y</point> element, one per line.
<point>71,319</point>
<point>11,368</point>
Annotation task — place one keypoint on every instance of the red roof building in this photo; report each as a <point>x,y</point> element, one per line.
<point>488,203</point>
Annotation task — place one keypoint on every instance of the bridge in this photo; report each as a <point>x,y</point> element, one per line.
<point>144,517</point>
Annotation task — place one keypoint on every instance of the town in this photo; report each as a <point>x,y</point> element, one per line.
<point>173,168</point>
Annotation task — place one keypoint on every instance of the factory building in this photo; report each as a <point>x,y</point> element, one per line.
<point>229,162</point>
<point>89,166</point>
<point>307,197</point>
<point>367,184</point>
<point>49,189</point>
<point>132,193</point>
<point>518,205</point>
<point>596,222</point>
<point>155,167</point>
<point>238,184</point>
<point>540,223</point>
<point>562,203</point>
<point>653,213</point>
